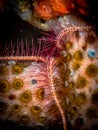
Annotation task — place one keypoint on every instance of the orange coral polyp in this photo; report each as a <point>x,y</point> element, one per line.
<point>59,6</point>
<point>43,10</point>
<point>48,9</point>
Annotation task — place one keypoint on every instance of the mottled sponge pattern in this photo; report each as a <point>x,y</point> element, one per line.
<point>47,90</point>
<point>25,92</point>
<point>80,53</point>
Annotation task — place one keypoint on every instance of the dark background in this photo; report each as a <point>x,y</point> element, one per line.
<point>13,27</point>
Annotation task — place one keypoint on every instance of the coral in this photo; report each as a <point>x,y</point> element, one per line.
<point>34,81</point>
<point>68,45</point>
<point>91,70</point>
<point>52,8</point>
<point>3,70</point>
<point>40,93</point>
<point>58,94</point>
<point>23,3</point>
<point>16,108</point>
<point>75,66</point>
<point>26,96</point>
<point>12,97</point>
<point>72,111</point>
<point>42,119</point>
<point>78,55</point>
<point>81,99</point>
<point>71,85</point>
<point>91,53</point>
<point>17,84</point>
<point>84,47</point>
<point>4,85</point>
<point>71,96</point>
<point>43,10</point>
<point>94,97</point>
<point>81,82</point>
<point>68,57</point>
<point>68,71</point>
<point>91,112</point>
<point>17,69</point>
<point>24,119</point>
<point>35,110</point>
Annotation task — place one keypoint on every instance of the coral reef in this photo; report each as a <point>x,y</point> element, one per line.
<point>56,82</point>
